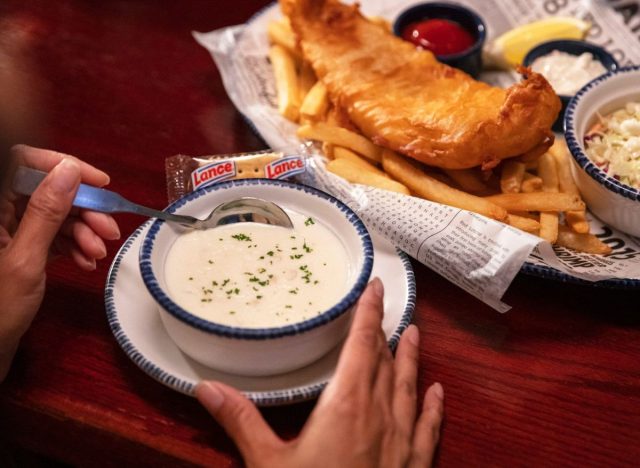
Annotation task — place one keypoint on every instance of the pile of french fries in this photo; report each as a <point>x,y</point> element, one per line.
<point>535,195</point>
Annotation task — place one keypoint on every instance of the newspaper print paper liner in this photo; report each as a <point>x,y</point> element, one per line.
<point>480,255</point>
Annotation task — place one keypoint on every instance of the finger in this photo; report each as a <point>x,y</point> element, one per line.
<point>101,223</point>
<point>360,356</point>
<point>46,160</point>
<point>406,375</point>
<point>45,213</point>
<point>7,214</point>
<point>240,418</point>
<point>68,248</point>
<point>89,243</point>
<point>427,431</point>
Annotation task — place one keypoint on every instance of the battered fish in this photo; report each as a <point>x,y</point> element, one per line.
<point>402,98</point>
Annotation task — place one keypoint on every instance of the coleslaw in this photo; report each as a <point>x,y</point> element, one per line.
<point>613,144</point>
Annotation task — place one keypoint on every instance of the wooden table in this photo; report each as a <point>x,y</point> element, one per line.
<point>556,381</point>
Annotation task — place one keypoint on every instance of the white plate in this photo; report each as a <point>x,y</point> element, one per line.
<point>135,322</point>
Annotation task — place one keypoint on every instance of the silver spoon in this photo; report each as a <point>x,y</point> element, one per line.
<point>245,209</point>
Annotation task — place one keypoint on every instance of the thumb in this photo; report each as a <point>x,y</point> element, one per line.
<point>48,207</point>
<point>240,418</point>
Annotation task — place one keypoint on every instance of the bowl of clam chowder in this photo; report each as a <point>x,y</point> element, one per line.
<point>256,299</point>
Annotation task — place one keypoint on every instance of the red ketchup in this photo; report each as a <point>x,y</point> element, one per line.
<point>442,37</point>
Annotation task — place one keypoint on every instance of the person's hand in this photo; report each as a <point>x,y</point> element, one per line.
<point>365,417</point>
<point>31,230</point>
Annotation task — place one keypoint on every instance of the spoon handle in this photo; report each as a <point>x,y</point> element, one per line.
<point>26,180</point>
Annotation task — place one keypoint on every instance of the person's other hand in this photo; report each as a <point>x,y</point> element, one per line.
<point>31,230</point>
<point>365,417</point>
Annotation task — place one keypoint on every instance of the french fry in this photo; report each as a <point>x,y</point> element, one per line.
<point>530,183</point>
<point>523,223</point>
<point>526,214</point>
<point>341,137</point>
<point>327,149</point>
<point>536,201</point>
<point>315,103</point>
<point>587,243</point>
<point>355,174</point>
<point>284,69</point>
<point>549,175</point>
<point>431,189</point>
<point>467,179</point>
<point>344,153</point>
<point>280,33</point>
<point>306,80</point>
<point>576,219</point>
<point>511,176</point>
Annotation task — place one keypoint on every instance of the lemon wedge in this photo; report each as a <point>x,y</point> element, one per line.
<point>509,49</point>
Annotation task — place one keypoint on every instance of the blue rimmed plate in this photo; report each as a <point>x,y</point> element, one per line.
<point>546,272</point>
<point>135,322</point>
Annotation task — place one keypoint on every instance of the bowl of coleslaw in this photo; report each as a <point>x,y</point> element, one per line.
<point>602,129</point>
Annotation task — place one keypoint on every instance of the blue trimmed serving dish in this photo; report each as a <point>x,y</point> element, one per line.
<point>258,351</point>
<point>615,203</point>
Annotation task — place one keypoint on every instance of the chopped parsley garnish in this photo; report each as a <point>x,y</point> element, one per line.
<point>295,257</point>
<point>262,270</point>
<point>306,247</point>
<point>270,253</point>
<point>258,297</point>
<point>242,237</point>
<point>293,291</point>
<point>307,274</point>
<point>225,282</point>
<point>190,278</point>
<point>287,306</point>
<point>309,222</point>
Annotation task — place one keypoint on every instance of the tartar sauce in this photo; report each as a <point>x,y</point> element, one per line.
<point>568,73</point>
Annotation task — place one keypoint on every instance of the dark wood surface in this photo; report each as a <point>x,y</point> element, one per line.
<point>122,84</point>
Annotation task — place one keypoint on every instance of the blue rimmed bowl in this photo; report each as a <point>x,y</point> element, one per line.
<point>573,47</point>
<point>470,60</point>
<point>615,203</point>
<point>258,351</point>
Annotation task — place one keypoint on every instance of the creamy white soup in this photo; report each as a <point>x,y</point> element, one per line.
<point>255,275</point>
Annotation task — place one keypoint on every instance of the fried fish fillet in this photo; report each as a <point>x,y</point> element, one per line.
<point>403,99</point>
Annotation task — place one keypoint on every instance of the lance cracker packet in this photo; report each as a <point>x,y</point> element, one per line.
<point>188,173</point>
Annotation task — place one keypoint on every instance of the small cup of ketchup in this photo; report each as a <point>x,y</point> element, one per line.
<point>454,33</point>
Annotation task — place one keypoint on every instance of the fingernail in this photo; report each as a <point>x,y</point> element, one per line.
<point>413,335</point>
<point>378,288</point>
<point>65,176</point>
<point>100,246</point>
<point>116,229</point>
<point>438,391</point>
<point>91,265</point>
<point>210,395</point>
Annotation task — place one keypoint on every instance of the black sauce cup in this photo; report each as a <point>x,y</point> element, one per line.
<point>470,60</point>
<point>573,47</point>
